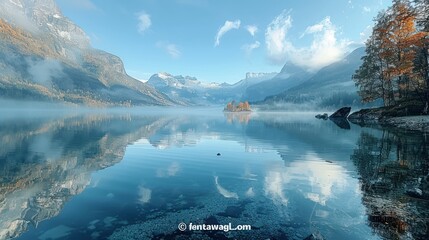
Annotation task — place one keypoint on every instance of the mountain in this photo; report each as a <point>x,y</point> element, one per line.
<point>330,86</point>
<point>189,90</point>
<point>186,89</point>
<point>290,76</point>
<point>252,79</point>
<point>44,56</point>
<point>237,90</point>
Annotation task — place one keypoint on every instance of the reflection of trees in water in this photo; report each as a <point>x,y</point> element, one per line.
<point>241,117</point>
<point>392,166</point>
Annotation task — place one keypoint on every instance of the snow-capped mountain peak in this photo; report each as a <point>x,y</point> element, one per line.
<point>163,79</point>
<point>44,19</point>
<point>259,75</point>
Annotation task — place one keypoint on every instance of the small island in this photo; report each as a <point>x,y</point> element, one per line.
<point>240,107</point>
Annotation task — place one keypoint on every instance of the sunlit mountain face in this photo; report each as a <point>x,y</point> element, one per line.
<point>46,57</point>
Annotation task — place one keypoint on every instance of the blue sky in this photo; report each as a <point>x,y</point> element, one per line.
<point>221,40</point>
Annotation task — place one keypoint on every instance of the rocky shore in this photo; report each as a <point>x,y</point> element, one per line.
<point>404,118</point>
<point>410,123</point>
<point>416,123</point>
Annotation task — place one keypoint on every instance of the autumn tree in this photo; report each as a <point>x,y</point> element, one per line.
<point>246,106</point>
<point>242,106</point>
<point>372,77</point>
<point>369,76</point>
<point>422,60</point>
<point>422,10</point>
<point>389,68</point>
<point>229,107</point>
<point>403,40</point>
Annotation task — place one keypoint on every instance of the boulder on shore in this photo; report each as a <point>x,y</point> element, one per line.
<point>381,114</point>
<point>370,115</point>
<point>341,113</point>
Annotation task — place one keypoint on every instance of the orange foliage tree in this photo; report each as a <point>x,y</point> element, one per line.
<point>390,69</point>
<point>242,106</point>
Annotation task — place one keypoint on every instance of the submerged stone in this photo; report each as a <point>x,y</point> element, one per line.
<point>232,211</point>
<point>314,236</point>
<point>416,192</point>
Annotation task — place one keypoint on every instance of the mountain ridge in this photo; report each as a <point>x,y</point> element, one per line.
<point>51,60</point>
<point>289,76</point>
<point>330,86</point>
<point>192,91</point>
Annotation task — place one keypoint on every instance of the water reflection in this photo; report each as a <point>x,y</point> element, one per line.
<point>241,117</point>
<point>45,161</point>
<point>394,176</point>
<point>138,176</point>
<point>341,122</point>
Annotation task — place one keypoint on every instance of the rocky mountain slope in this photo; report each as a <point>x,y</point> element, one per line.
<point>187,90</point>
<point>290,76</point>
<point>44,56</point>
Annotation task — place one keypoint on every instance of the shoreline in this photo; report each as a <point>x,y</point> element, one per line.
<point>387,118</point>
<point>410,123</point>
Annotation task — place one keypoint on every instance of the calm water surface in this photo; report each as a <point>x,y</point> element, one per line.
<point>137,176</point>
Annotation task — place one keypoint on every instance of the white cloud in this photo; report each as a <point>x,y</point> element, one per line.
<point>366,9</point>
<point>252,29</point>
<point>317,27</point>
<point>45,71</point>
<point>275,37</point>
<point>173,51</point>
<point>13,13</point>
<point>248,48</point>
<point>170,48</point>
<point>144,22</point>
<point>325,48</point>
<point>351,4</point>
<point>229,25</point>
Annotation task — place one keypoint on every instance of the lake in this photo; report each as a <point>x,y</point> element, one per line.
<point>138,175</point>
